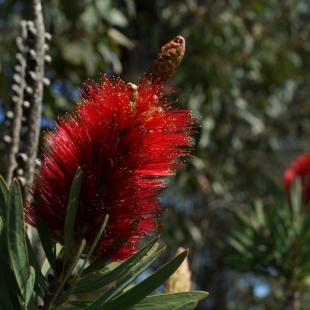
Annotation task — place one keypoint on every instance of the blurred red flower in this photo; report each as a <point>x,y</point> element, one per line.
<point>299,168</point>
<point>126,139</point>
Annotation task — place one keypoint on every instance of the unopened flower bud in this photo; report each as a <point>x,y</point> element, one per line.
<point>167,60</point>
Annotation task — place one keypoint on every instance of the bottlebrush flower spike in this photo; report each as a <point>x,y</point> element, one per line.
<point>126,139</point>
<point>300,167</point>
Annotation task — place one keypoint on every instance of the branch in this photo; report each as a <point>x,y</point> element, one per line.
<point>25,118</point>
<point>14,117</point>
<point>31,139</point>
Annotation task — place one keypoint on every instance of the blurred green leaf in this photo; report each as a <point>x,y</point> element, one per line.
<point>115,17</point>
<point>120,38</point>
<point>76,49</point>
<point>259,212</point>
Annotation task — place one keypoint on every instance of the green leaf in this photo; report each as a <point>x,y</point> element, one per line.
<point>73,48</point>
<point>147,286</point>
<point>66,295</point>
<point>296,195</point>
<point>4,192</point>
<point>120,38</point>
<point>296,203</point>
<point>97,264</point>
<point>102,301</point>
<point>46,266</point>
<point>188,306</point>
<point>92,248</point>
<point>40,279</point>
<point>3,242</point>
<point>72,207</point>
<point>242,217</point>
<point>8,276</point>
<point>46,241</point>
<point>30,286</point>
<point>100,261</point>
<point>115,17</point>
<point>17,237</point>
<point>80,303</point>
<point>259,212</point>
<point>89,284</point>
<point>170,301</point>
<point>237,246</point>
<point>69,270</point>
<point>244,238</point>
<point>5,301</point>
<point>3,217</point>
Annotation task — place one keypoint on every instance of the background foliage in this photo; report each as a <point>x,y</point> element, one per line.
<point>245,74</point>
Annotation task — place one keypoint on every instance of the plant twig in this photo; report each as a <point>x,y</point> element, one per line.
<point>31,140</point>
<point>14,117</point>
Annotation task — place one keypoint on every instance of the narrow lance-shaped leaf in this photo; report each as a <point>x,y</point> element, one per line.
<point>102,301</point>
<point>40,279</point>
<point>67,294</point>
<point>46,266</point>
<point>88,286</point>
<point>105,275</point>
<point>16,237</point>
<point>68,272</point>
<point>296,203</point>
<point>259,212</point>
<point>96,265</point>
<point>169,301</point>
<point>147,286</point>
<point>72,207</point>
<point>29,287</point>
<point>46,241</point>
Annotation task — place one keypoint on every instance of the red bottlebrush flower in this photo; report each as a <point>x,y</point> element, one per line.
<point>126,139</point>
<point>299,168</point>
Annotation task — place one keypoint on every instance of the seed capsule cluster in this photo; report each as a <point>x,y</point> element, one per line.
<point>28,77</point>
